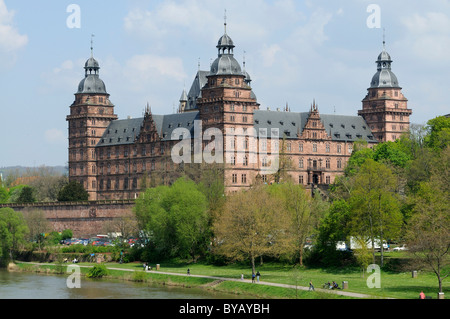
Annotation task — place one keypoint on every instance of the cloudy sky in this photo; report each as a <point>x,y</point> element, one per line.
<point>149,50</point>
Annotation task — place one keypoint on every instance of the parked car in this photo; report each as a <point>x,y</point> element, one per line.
<point>400,248</point>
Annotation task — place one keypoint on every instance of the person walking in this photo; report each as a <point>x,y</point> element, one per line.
<point>188,272</point>
<point>257,276</point>
<point>253,277</point>
<point>311,286</point>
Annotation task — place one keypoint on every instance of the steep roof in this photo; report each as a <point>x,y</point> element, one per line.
<point>124,132</point>
<point>340,127</point>
<point>196,89</point>
<point>121,132</point>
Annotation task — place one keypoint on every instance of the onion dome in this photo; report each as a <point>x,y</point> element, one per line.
<point>92,82</point>
<point>225,64</point>
<point>384,78</point>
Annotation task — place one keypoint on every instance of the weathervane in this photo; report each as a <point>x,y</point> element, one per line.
<point>225,18</point>
<point>92,45</point>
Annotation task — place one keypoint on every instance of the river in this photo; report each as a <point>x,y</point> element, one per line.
<point>37,286</point>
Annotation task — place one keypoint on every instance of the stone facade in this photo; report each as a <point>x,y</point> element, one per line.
<point>220,121</point>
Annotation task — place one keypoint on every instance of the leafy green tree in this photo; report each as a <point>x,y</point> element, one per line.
<point>438,132</point>
<point>304,211</point>
<point>374,205</point>
<point>357,159</point>
<point>73,192</point>
<point>13,229</point>
<point>4,195</point>
<point>428,234</point>
<point>176,217</point>
<point>66,234</point>
<point>392,152</point>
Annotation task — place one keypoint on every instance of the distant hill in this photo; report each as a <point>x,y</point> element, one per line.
<point>20,171</point>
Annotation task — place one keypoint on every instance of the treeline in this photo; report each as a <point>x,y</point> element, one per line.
<point>43,184</point>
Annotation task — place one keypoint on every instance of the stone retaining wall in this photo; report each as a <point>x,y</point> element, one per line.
<point>85,219</point>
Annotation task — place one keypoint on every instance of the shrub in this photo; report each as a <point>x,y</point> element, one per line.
<point>139,276</point>
<point>98,271</point>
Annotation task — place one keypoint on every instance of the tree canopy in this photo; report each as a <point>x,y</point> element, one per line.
<point>176,219</point>
<point>73,192</point>
<point>13,230</point>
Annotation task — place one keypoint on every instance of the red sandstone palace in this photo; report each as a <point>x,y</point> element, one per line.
<point>220,117</point>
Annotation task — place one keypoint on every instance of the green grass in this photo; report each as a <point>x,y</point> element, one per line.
<point>398,285</point>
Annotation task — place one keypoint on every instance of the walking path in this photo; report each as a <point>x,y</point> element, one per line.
<point>221,279</point>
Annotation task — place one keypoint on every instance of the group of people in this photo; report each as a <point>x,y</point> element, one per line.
<point>257,276</point>
<point>74,261</point>
<point>147,267</point>
<point>333,285</point>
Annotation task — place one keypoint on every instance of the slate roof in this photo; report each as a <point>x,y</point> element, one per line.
<point>124,132</point>
<point>121,132</point>
<point>196,89</point>
<point>341,127</point>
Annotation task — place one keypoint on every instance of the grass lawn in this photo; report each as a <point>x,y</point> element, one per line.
<point>399,285</point>
<point>394,284</point>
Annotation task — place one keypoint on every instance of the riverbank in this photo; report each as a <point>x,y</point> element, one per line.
<point>239,287</point>
<point>278,281</point>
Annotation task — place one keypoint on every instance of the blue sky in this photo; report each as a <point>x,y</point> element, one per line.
<point>295,52</point>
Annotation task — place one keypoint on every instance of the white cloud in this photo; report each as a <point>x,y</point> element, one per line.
<point>148,66</point>
<point>169,18</point>
<point>428,35</point>
<point>10,39</point>
<point>64,77</point>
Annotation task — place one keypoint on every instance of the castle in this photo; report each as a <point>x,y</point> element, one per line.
<point>220,121</point>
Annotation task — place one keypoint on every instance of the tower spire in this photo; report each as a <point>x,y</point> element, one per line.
<point>225,21</point>
<point>92,45</point>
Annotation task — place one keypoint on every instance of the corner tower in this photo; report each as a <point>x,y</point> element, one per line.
<point>385,108</point>
<point>228,103</point>
<point>227,99</point>
<point>90,115</point>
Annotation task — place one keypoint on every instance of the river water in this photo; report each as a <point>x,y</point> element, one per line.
<point>36,286</point>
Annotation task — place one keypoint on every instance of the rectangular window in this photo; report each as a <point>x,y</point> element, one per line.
<point>244,178</point>
<point>301,180</point>
<point>234,179</point>
<point>264,146</point>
